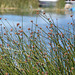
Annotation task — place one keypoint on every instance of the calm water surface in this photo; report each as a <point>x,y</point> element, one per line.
<point>59,19</point>
<point>24,19</point>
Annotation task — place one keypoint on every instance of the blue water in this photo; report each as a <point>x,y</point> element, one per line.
<point>25,20</point>
<point>62,19</point>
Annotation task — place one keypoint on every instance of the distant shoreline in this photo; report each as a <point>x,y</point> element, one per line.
<point>9,8</point>
<point>35,9</point>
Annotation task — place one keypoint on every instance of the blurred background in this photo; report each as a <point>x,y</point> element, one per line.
<point>25,10</point>
<point>34,5</point>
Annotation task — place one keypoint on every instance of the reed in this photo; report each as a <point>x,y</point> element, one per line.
<point>50,52</point>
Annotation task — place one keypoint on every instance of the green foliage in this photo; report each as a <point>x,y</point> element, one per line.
<point>60,4</point>
<point>18,3</point>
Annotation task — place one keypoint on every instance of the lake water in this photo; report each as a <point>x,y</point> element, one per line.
<point>24,19</point>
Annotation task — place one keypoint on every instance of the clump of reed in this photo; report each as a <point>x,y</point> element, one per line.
<point>38,52</point>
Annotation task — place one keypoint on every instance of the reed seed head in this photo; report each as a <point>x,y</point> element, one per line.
<point>37,70</point>
<point>71,16</point>
<point>18,24</point>
<point>28,28</point>
<point>42,72</point>
<point>6,73</point>
<point>32,21</point>
<point>0,18</point>
<point>7,45</point>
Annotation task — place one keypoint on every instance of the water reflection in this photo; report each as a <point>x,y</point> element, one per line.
<point>27,12</point>
<point>16,12</point>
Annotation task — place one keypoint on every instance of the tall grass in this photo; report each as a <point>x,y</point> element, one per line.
<point>40,52</point>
